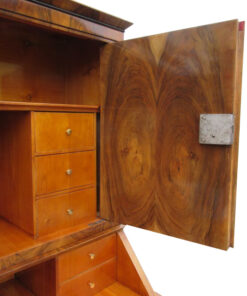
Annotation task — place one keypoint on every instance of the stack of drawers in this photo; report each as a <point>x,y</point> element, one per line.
<point>48,176</point>
<point>64,169</point>
<point>88,269</point>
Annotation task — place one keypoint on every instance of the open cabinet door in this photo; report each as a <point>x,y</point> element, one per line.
<point>155,174</point>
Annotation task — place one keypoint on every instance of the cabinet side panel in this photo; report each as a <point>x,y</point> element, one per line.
<point>129,270</point>
<point>16,198</point>
<point>237,107</point>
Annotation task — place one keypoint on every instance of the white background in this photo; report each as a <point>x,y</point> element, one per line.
<point>176,267</point>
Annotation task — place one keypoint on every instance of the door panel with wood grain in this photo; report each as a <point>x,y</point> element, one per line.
<point>154,173</point>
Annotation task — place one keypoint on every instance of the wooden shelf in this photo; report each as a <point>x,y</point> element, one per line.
<point>117,289</point>
<point>18,250</point>
<point>26,106</point>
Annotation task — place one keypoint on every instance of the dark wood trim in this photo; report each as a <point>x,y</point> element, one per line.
<point>34,14</point>
<point>86,13</point>
<point>24,251</point>
<point>23,106</point>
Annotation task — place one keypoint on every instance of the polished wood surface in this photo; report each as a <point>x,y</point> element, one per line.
<point>14,288</point>
<point>27,106</point>
<point>19,250</point>
<point>26,176</point>
<point>90,13</point>
<point>117,289</point>
<point>68,68</point>
<point>129,270</point>
<point>16,198</point>
<point>52,171</point>
<point>51,132</point>
<point>66,210</point>
<point>154,173</point>
<point>79,260</point>
<point>40,279</point>
<point>101,276</point>
<point>37,15</point>
<point>236,110</point>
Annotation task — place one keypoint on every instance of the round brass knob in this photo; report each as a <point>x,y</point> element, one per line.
<point>70,212</point>
<point>69,172</point>
<point>69,131</point>
<point>91,285</point>
<point>91,256</point>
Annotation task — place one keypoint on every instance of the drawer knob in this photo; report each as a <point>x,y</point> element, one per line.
<point>69,172</point>
<point>70,212</point>
<point>69,131</point>
<point>91,256</point>
<point>91,285</point>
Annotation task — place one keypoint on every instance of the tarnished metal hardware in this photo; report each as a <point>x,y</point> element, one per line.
<point>69,131</point>
<point>216,129</point>
<point>70,212</point>
<point>69,172</point>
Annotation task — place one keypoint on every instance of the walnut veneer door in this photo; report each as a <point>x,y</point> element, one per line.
<point>154,173</point>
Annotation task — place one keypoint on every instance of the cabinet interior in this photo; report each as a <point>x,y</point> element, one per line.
<point>38,65</point>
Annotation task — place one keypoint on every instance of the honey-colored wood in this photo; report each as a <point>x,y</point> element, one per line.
<point>51,171</point>
<point>50,132</point>
<point>53,212</point>
<point>101,276</point>
<point>79,260</point>
<point>129,270</point>
<point>16,198</point>
<point>25,177</point>
<point>14,288</point>
<point>40,66</point>
<point>87,12</point>
<point>37,15</point>
<point>154,173</point>
<point>117,289</point>
<point>40,279</point>
<point>27,106</point>
<point>18,250</point>
<point>236,108</point>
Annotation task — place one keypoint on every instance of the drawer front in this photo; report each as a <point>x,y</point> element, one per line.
<point>56,213</point>
<point>91,282</point>
<point>63,171</point>
<point>63,132</point>
<point>86,257</point>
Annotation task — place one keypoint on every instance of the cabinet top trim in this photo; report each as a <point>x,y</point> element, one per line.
<point>86,12</point>
<point>26,106</point>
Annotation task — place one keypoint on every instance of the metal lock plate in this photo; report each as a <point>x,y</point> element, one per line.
<point>216,129</point>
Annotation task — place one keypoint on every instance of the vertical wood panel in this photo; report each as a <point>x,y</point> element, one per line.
<point>155,174</point>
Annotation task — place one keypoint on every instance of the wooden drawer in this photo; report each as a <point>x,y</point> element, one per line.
<point>63,132</point>
<point>98,277</point>
<point>63,171</point>
<point>86,257</point>
<point>55,213</point>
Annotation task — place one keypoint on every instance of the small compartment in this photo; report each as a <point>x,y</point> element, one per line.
<point>39,280</point>
<point>66,210</point>
<point>90,282</point>
<point>14,288</point>
<point>64,132</point>
<point>81,259</point>
<point>63,171</point>
<point>38,65</point>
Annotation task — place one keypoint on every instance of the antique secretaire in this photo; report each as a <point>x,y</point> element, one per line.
<point>97,132</point>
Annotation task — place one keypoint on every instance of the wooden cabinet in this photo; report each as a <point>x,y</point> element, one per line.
<point>48,179</point>
<point>97,132</point>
